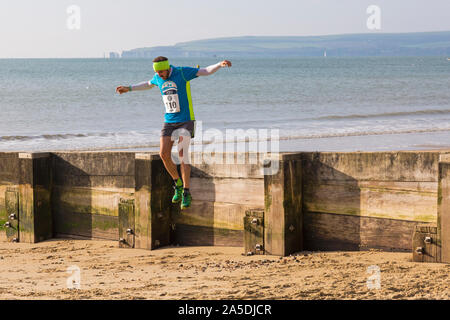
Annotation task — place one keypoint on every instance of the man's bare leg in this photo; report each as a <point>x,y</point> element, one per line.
<point>185,167</point>
<point>186,174</point>
<point>165,152</point>
<point>183,153</point>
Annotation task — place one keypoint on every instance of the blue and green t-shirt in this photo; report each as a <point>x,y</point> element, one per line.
<point>176,94</point>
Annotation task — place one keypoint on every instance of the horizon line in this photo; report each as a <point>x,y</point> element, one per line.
<point>232,37</point>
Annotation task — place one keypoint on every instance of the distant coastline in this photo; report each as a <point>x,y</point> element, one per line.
<point>350,45</point>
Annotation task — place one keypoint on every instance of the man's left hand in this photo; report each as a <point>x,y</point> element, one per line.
<point>225,63</point>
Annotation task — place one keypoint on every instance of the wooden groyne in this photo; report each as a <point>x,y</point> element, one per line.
<point>312,201</point>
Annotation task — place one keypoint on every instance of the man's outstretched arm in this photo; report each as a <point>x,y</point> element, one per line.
<point>213,68</point>
<point>136,87</point>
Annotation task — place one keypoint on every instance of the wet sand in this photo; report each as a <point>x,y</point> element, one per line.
<point>39,271</point>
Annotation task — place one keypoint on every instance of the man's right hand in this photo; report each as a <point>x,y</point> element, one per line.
<point>122,89</point>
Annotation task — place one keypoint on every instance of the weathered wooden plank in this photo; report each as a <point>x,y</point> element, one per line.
<point>324,231</point>
<point>283,209</point>
<point>143,174</point>
<point>397,204</point>
<point>232,158</point>
<point>214,214</point>
<point>443,219</point>
<point>426,244</point>
<point>228,165</point>
<point>242,171</point>
<point>254,232</point>
<point>126,223</point>
<point>412,186</point>
<point>186,235</point>
<point>87,225</point>
<point>333,198</point>
<point>94,163</point>
<point>239,191</point>
<point>160,204</point>
<point>89,181</point>
<point>12,215</point>
<point>3,218</point>
<point>380,166</point>
<point>3,212</point>
<point>43,228</point>
<point>8,155</point>
<point>153,203</point>
<point>35,223</point>
<point>412,166</point>
<point>26,209</point>
<point>142,236</point>
<point>414,201</point>
<point>9,168</point>
<point>444,157</point>
<point>88,200</point>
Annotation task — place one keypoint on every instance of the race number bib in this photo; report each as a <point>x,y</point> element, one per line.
<point>172,103</point>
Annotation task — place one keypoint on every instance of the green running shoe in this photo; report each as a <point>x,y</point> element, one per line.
<point>178,191</point>
<point>187,199</point>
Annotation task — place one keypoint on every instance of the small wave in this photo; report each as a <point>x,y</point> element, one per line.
<point>118,147</point>
<point>126,142</point>
<point>362,133</point>
<point>387,114</point>
<point>292,137</point>
<point>63,136</point>
<point>44,136</point>
<point>333,117</point>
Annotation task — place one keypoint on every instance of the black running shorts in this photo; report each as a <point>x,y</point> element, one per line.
<point>187,127</point>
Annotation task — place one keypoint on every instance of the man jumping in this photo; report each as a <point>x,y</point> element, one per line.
<point>173,82</point>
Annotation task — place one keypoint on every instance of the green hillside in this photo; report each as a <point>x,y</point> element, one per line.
<point>372,44</point>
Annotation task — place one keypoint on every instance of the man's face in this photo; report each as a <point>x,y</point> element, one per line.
<point>164,74</point>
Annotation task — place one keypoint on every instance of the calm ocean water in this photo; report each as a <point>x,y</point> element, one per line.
<point>336,104</point>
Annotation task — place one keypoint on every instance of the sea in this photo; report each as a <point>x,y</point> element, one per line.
<point>305,104</point>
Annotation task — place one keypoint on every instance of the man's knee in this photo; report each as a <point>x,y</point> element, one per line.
<point>165,156</point>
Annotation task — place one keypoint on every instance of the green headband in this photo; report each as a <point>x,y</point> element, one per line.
<point>162,65</point>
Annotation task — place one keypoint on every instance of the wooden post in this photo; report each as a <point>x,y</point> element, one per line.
<point>254,232</point>
<point>443,219</point>
<point>35,217</point>
<point>283,220</point>
<point>426,243</point>
<point>126,223</point>
<point>153,202</point>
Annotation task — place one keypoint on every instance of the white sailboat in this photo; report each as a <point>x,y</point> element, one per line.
<point>325,53</point>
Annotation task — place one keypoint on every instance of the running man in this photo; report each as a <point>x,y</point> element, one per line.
<point>173,82</point>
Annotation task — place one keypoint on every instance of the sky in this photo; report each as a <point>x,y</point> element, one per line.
<point>40,29</point>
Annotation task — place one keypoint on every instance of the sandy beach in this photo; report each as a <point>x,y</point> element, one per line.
<point>39,271</point>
